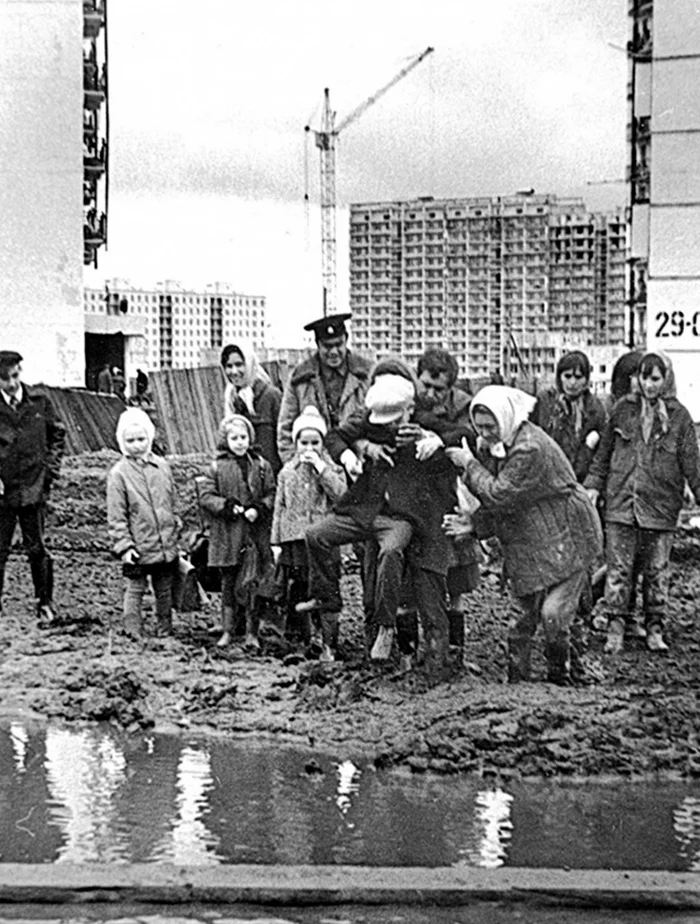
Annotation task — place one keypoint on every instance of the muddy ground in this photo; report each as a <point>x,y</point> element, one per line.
<point>641,717</point>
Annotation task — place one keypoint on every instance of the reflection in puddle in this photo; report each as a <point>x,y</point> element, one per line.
<point>192,842</point>
<point>686,823</point>
<point>83,774</point>
<point>492,829</point>
<point>92,795</point>
<point>348,785</point>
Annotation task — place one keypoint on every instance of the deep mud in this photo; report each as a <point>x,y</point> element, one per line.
<point>641,717</point>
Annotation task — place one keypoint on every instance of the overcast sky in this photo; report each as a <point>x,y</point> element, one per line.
<point>208,103</point>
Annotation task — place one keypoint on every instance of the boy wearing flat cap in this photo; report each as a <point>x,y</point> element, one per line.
<point>333,379</point>
<point>399,501</point>
<point>32,441</point>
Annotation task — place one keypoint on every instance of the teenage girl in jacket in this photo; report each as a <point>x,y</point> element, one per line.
<point>648,452</point>
<point>238,492</point>
<point>570,414</point>
<point>142,523</point>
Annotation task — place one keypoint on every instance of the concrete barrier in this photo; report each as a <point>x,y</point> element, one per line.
<point>315,885</point>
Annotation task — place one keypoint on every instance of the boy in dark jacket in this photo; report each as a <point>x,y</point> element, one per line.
<point>397,500</point>
<point>32,441</point>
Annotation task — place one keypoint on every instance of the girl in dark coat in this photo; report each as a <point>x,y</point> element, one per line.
<point>570,414</point>
<point>648,452</point>
<point>238,493</point>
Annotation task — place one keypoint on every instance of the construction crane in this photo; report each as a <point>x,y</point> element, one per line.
<point>326,142</point>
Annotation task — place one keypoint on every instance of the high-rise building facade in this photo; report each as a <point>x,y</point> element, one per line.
<point>664,184</point>
<point>41,192</point>
<point>503,283</point>
<point>167,327</point>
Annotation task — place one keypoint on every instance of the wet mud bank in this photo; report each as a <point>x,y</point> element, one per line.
<point>639,719</point>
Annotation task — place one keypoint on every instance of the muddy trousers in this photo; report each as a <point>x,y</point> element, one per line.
<point>392,536</point>
<point>555,608</point>
<point>135,587</point>
<point>31,521</point>
<point>230,615</point>
<point>630,551</point>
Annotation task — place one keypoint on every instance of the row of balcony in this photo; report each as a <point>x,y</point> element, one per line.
<point>95,154</point>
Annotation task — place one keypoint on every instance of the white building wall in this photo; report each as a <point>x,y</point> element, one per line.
<point>41,187</point>
<point>673,291</point>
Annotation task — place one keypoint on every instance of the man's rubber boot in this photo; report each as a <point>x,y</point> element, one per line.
<point>558,656</point>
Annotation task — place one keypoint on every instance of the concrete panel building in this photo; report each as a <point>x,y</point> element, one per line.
<point>41,188</point>
<point>505,283</point>
<point>167,327</point>
<point>664,174</point>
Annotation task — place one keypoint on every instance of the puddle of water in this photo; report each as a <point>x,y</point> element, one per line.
<point>91,795</point>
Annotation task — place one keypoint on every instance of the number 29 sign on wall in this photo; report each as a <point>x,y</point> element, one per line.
<point>676,329</point>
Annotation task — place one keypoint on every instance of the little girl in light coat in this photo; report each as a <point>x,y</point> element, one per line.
<point>308,485</point>
<point>142,523</point>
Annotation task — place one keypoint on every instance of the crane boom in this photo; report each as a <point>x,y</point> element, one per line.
<point>371,100</point>
<point>325,140</point>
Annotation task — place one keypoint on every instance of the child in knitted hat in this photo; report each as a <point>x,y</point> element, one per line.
<point>238,493</point>
<point>142,523</point>
<point>307,486</point>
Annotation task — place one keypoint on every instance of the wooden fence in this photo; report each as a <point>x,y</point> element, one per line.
<point>90,419</point>
<point>188,408</point>
<point>189,405</point>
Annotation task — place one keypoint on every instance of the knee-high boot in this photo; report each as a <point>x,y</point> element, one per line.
<point>558,662</point>
<point>519,653</point>
<point>228,618</point>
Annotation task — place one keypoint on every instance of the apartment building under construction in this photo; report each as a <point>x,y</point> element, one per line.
<point>504,283</point>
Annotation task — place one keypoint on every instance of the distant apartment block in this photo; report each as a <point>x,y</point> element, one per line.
<point>504,283</point>
<point>167,327</point>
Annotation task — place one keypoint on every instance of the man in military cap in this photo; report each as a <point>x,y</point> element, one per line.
<point>334,380</point>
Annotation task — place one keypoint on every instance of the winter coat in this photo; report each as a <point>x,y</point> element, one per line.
<point>644,482</point>
<point>305,387</point>
<point>531,500</point>
<point>303,497</point>
<point>418,492</point>
<point>32,442</point>
<point>550,413</point>
<point>266,401</point>
<point>141,509</point>
<point>224,480</point>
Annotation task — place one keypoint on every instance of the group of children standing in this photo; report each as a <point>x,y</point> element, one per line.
<point>254,522</point>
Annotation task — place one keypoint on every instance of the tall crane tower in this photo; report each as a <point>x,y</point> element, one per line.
<point>326,143</point>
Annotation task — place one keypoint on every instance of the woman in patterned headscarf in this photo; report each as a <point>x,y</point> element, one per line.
<point>648,452</point>
<point>570,414</point>
<point>549,531</point>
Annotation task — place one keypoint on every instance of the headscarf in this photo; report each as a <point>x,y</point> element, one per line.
<point>573,407</point>
<point>131,419</point>
<point>510,406</point>
<point>650,411</point>
<point>253,372</point>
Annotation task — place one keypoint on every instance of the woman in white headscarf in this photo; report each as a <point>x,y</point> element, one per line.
<point>250,392</point>
<point>548,529</point>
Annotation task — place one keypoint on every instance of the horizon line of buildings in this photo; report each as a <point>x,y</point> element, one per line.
<point>506,283</point>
